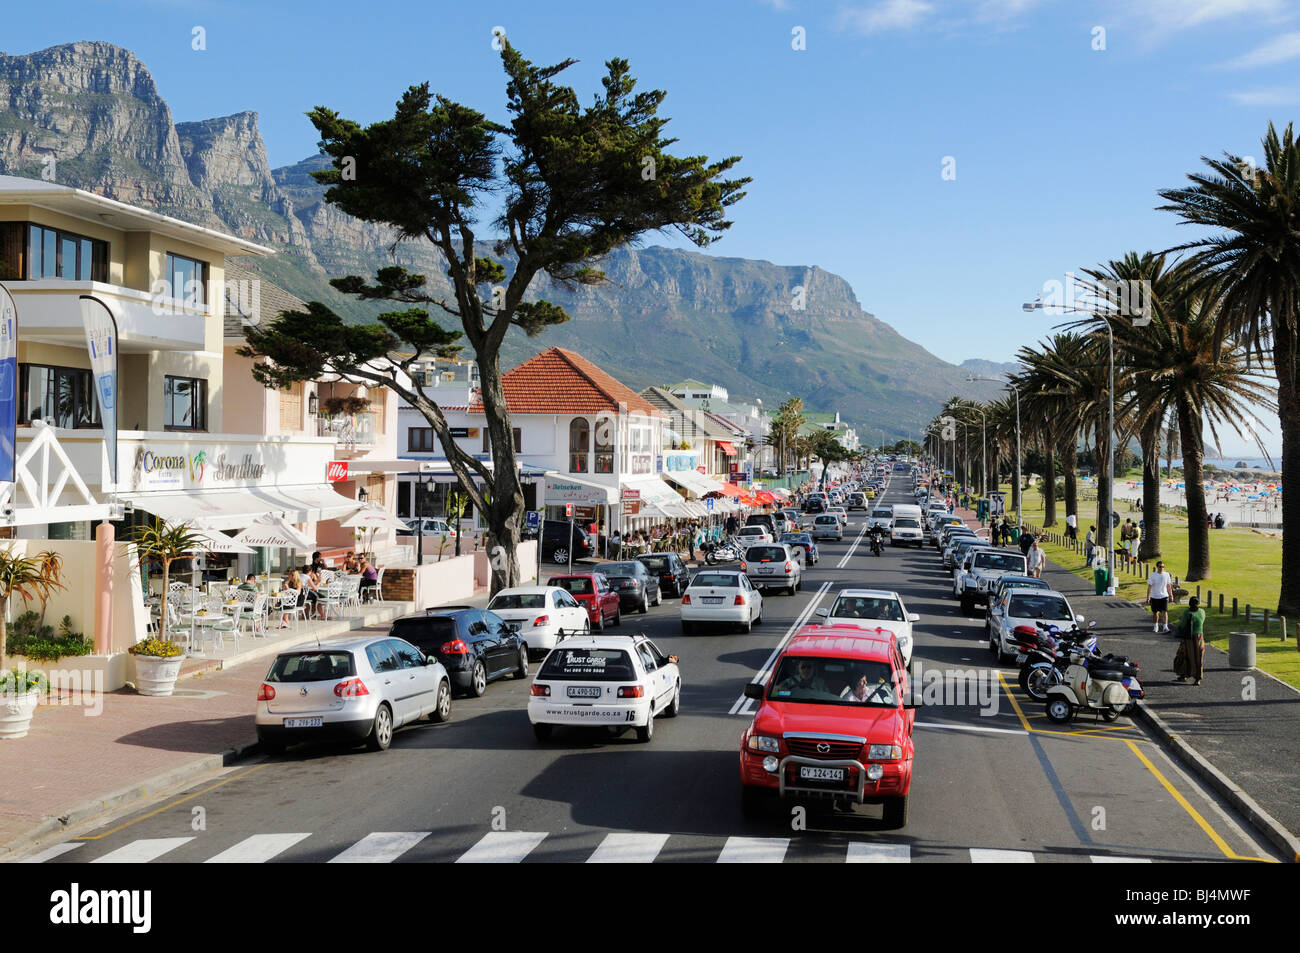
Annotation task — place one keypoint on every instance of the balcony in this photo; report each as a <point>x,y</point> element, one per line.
<point>351,431</point>
<point>51,313</point>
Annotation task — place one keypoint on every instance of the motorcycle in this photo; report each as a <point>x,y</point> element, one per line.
<point>727,551</point>
<point>1095,684</point>
<point>1039,649</point>
<point>877,544</point>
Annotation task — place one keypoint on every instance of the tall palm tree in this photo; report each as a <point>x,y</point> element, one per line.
<point>1046,395</point>
<point>1254,258</point>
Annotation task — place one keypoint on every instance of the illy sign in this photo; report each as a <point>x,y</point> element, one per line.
<point>336,470</point>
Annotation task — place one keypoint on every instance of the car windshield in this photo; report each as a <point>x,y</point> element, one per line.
<point>312,667</point>
<point>1029,582</point>
<point>882,514</point>
<point>752,531</point>
<point>657,563</point>
<point>618,569</point>
<point>833,681</point>
<point>587,664</point>
<point>1004,561</point>
<point>723,579</point>
<point>795,538</point>
<point>867,607</point>
<point>424,631</point>
<point>906,522</point>
<point>519,600</point>
<point>765,554</point>
<point>1048,608</point>
<point>578,585</point>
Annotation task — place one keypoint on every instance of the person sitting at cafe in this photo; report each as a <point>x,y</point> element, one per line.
<point>250,583</point>
<point>369,575</point>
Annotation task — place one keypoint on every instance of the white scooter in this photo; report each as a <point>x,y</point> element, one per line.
<point>1097,688</point>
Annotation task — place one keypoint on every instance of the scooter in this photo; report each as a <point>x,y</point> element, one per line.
<point>1099,687</point>
<point>1041,649</point>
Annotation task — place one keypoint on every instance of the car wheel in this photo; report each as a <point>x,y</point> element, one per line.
<point>993,646</point>
<point>748,625</point>
<point>443,711</point>
<point>645,605</point>
<point>618,616</point>
<point>560,556</point>
<point>381,732</point>
<point>586,629</point>
<point>1059,711</point>
<point>896,811</point>
<point>478,679</point>
<point>675,705</point>
<point>542,732</point>
<point>522,670</point>
<point>645,734</point>
<point>600,621</point>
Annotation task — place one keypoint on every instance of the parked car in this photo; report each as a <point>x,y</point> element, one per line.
<point>594,593</point>
<point>433,526</point>
<point>350,688</point>
<point>812,738</point>
<point>612,681</point>
<point>556,542</point>
<point>1027,607</point>
<point>766,520</point>
<point>985,568</point>
<point>772,566</point>
<point>802,541</point>
<point>476,646</point>
<point>749,535</point>
<point>637,586</point>
<point>874,609</point>
<point>827,526</point>
<point>545,614</point>
<point>673,575</point>
<point>720,597</point>
<point>1001,586</point>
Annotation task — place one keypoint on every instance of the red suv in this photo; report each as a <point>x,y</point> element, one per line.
<point>835,721</point>
<point>595,594</point>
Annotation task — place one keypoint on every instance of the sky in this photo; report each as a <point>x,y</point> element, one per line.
<point>947,157</point>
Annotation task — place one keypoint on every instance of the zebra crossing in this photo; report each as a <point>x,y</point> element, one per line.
<point>512,847</point>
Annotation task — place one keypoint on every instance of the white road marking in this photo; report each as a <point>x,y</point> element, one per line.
<point>754,850</point>
<point>257,849</point>
<point>1103,859</point>
<point>982,855</point>
<point>852,549</point>
<point>998,731</point>
<point>382,847</point>
<point>502,847</point>
<point>628,849</point>
<point>879,854</point>
<point>142,851</point>
<point>58,850</point>
<point>743,704</point>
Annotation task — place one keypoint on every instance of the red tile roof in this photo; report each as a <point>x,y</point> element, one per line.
<point>562,381</point>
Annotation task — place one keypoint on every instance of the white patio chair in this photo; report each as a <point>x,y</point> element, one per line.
<point>289,606</point>
<point>376,592</point>
<point>228,625</point>
<point>352,591</point>
<point>332,598</point>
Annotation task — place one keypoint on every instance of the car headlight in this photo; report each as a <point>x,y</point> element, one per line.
<point>764,743</point>
<point>884,752</point>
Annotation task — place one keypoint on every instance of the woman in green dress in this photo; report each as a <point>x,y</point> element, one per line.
<point>1189,663</point>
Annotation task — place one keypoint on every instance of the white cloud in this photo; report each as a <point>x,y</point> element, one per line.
<point>1171,15</point>
<point>1274,96</point>
<point>1280,49</point>
<point>886,15</point>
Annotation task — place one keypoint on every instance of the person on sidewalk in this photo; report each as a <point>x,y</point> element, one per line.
<point>1071,526</point>
<point>1026,540</point>
<point>1189,661</point>
<point>1090,543</point>
<point>1159,587</point>
<point>1036,560</point>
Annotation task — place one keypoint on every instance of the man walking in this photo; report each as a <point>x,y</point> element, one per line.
<point>1159,585</point>
<point>1090,543</point>
<point>1026,540</point>
<point>1189,661</point>
<point>1072,526</point>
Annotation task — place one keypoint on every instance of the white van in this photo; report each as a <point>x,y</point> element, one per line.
<point>907,527</point>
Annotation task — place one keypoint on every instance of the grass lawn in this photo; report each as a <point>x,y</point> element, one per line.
<point>1244,564</point>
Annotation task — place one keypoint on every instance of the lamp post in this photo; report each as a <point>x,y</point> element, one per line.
<point>1015,498</point>
<point>1107,527</point>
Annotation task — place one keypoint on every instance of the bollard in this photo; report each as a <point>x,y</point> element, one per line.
<point>1209,600</point>
<point>1234,607</point>
<point>1247,610</point>
<point>1198,592</point>
<point>1241,649</point>
<point>1266,622</point>
<point>1283,627</point>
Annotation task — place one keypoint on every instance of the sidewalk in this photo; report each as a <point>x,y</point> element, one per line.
<point>85,758</point>
<point>1247,748</point>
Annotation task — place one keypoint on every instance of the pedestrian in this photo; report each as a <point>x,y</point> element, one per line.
<point>1189,660</point>
<point>1159,586</point>
<point>1090,543</point>
<point>1219,521</point>
<point>1071,526</point>
<point>615,545</point>
<point>1134,536</point>
<point>1036,559</point>
<point>1026,540</point>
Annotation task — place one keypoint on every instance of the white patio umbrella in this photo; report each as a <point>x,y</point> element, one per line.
<point>373,517</point>
<point>213,541</point>
<point>272,531</point>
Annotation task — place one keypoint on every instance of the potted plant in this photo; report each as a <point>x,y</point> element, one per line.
<point>20,691</point>
<point>165,543</point>
<point>157,666</point>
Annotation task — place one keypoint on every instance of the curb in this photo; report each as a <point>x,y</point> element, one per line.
<point>139,791</point>
<point>1260,819</point>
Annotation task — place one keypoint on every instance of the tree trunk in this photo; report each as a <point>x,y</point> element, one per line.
<point>1288,400</point>
<point>1105,537</point>
<point>504,514</point>
<point>1149,545</point>
<point>1049,484</point>
<point>1198,533</point>
<point>4,630</point>
<point>163,628</point>
<point>1070,469</point>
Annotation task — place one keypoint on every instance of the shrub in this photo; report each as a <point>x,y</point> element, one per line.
<point>157,648</point>
<point>20,682</point>
<point>29,638</point>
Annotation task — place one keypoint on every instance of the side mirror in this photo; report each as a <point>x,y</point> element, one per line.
<point>914,617</point>
<point>1092,624</point>
<point>754,690</point>
<point>824,613</point>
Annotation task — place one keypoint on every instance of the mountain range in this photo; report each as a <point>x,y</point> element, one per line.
<point>664,314</point>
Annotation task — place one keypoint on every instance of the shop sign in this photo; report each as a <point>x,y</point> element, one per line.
<point>336,471</point>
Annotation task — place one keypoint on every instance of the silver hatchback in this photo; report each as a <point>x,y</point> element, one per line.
<point>349,689</point>
<point>827,526</point>
<point>773,566</point>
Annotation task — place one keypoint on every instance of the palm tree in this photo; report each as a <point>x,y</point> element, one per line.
<point>1254,259</point>
<point>167,542</point>
<point>31,577</point>
<point>1056,416</point>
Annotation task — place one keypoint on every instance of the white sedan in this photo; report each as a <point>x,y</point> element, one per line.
<point>607,681</point>
<point>720,597</point>
<point>545,614</point>
<point>874,609</point>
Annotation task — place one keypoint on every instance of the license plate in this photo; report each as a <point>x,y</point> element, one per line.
<point>712,600</point>
<point>766,569</point>
<point>821,774</point>
<point>1020,657</point>
<point>583,691</point>
<point>303,722</point>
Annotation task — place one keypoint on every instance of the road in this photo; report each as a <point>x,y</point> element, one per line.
<point>988,785</point>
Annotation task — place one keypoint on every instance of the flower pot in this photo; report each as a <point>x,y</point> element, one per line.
<point>16,714</point>
<point>157,676</point>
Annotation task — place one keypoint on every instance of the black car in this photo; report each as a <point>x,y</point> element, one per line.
<point>814,505</point>
<point>765,520</point>
<point>556,541</point>
<point>674,577</point>
<point>637,586</point>
<point>476,646</point>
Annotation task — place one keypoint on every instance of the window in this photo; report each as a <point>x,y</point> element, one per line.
<point>187,278</point>
<point>487,444</point>
<point>185,403</point>
<point>52,253</point>
<point>605,427</point>
<point>61,396</point>
<point>579,443</point>
<point>291,408</point>
<point>420,438</point>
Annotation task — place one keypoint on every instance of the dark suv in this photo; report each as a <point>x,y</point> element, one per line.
<point>476,646</point>
<point>555,542</point>
<point>673,575</point>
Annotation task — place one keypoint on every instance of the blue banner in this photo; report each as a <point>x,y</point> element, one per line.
<point>8,384</point>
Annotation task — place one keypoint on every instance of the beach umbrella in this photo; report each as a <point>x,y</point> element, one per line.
<point>373,517</point>
<point>272,532</point>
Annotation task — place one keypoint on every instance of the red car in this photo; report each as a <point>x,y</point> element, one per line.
<point>595,594</point>
<point>835,721</point>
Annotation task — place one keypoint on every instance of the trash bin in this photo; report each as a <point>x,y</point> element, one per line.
<point>1100,578</point>
<point>1241,649</point>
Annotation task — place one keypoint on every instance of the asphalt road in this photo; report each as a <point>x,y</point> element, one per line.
<point>993,780</point>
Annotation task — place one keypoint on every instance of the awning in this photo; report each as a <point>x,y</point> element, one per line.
<point>236,509</point>
<point>694,481</point>
<point>562,489</point>
<point>653,490</point>
<point>730,490</point>
<point>727,448</point>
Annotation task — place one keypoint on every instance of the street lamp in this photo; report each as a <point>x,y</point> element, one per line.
<point>1038,305</point>
<point>1015,501</point>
